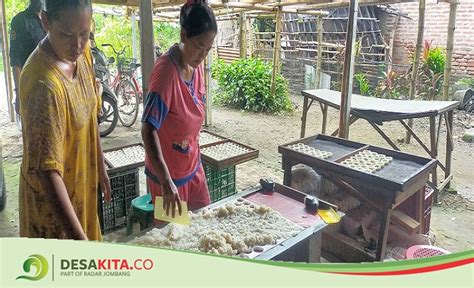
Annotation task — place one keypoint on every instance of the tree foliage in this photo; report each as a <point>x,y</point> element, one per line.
<point>115,30</point>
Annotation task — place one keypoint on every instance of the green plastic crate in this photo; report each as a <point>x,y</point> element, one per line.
<point>221,182</point>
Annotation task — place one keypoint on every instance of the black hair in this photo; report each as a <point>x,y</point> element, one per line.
<point>197,18</point>
<point>54,8</point>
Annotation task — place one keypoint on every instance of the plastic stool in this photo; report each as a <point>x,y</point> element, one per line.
<point>141,210</point>
<point>424,251</point>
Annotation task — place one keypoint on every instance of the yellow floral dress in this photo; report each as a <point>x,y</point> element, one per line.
<point>59,120</point>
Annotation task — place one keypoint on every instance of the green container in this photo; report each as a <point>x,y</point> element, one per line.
<point>221,182</point>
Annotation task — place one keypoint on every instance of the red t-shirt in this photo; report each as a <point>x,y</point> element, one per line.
<point>175,108</point>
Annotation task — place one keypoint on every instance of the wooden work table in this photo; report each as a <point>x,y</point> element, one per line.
<point>382,190</point>
<point>376,111</point>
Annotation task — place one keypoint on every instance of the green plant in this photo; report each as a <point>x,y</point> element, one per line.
<point>117,30</point>
<point>430,75</point>
<point>466,81</point>
<point>430,72</point>
<point>363,83</point>
<point>393,86</point>
<point>245,84</point>
<point>436,60</point>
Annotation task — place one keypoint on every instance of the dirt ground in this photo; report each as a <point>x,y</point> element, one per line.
<point>452,222</point>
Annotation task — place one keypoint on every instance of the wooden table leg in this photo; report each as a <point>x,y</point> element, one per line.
<point>434,155</point>
<point>314,248</point>
<point>286,165</point>
<point>303,118</point>
<point>383,233</point>
<point>420,209</point>
<point>449,146</point>
<point>325,118</point>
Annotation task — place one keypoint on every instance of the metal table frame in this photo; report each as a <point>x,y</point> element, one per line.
<point>376,119</point>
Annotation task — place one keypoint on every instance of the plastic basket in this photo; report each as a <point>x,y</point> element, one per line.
<point>125,187</point>
<point>424,251</point>
<point>128,65</point>
<point>221,182</point>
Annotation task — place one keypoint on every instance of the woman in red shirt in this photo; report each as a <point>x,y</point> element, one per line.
<point>174,113</point>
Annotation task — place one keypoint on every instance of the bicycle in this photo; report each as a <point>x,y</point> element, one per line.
<point>126,87</point>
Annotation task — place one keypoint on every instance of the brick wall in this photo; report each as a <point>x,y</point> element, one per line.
<point>436,27</point>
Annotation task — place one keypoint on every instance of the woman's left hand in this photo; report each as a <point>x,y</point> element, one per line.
<point>104,183</point>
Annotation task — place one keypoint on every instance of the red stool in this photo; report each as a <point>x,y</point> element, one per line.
<point>424,251</point>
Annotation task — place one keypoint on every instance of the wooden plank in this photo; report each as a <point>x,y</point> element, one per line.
<point>136,3</point>
<point>405,221</point>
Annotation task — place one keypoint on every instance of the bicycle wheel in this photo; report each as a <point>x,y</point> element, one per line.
<point>127,103</point>
<point>108,115</point>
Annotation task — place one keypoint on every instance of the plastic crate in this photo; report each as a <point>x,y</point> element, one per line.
<point>221,182</point>
<point>125,187</point>
<point>409,207</point>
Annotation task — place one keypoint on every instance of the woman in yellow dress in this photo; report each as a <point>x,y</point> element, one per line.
<point>62,157</point>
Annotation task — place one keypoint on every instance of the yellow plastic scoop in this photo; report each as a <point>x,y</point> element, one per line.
<point>329,216</point>
<point>160,213</point>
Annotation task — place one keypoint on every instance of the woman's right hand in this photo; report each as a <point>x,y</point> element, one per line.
<point>171,198</point>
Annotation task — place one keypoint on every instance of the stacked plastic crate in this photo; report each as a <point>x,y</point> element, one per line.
<point>123,164</point>
<point>220,156</point>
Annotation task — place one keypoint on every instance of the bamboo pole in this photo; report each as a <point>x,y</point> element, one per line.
<point>320,52</point>
<point>276,49</point>
<point>207,81</point>
<point>6,65</point>
<point>250,34</point>
<point>416,62</point>
<point>134,36</point>
<point>147,45</point>
<point>243,35</point>
<point>449,48</point>
<point>392,43</point>
<point>348,72</point>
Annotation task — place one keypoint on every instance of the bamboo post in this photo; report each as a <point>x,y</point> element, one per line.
<point>449,48</point>
<point>250,35</point>
<point>392,43</point>
<point>147,46</point>
<point>276,49</point>
<point>6,65</point>
<point>243,35</point>
<point>207,82</point>
<point>320,51</point>
<point>134,36</point>
<point>416,62</point>
<point>348,73</point>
